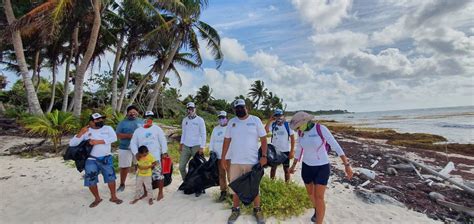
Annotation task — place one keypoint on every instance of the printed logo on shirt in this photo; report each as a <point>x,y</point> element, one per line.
<point>312,135</point>
<point>219,133</point>
<point>233,125</point>
<point>148,135</point>
<point>251,124</point>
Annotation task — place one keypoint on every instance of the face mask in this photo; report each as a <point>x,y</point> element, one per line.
<point>131,117</point>
<point>192,113</point>
<point>99,124</point>
<point>280,120</point>
<point>240,112</point>
<point>148,123</point>
<point>303,127</point>
<point>223,121</point>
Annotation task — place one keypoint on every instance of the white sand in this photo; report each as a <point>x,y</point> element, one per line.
<point>52,192</point>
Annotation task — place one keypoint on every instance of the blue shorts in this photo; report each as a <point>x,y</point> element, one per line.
<point>315,174</point>
<point>103,165</point>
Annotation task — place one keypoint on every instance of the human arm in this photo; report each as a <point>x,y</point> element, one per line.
<point>79,137</point>
<point>183,135</point>
<point>335,145</point>
<point>202,132</point>
<point>269,122</point>
<point>292,147</point>
<point>225,149</point>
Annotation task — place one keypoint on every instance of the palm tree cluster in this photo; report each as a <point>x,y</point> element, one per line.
<point>43,35</point>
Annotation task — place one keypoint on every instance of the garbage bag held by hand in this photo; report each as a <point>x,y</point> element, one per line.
<point>167,178</point>
<point>79,154</point>
<point>274,157</point>
<point>247,186</point>
<point>193,178</point>
<point>209,172</point>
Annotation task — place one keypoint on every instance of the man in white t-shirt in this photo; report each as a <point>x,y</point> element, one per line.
<point>241,137</point>
<point>193,138</point>
<point>153,137</point>
<point>100,159</point>
<point>282,136</point>
<point>215,145</point>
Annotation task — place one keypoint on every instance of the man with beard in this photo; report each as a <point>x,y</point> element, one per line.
<point>282,135</point>
<point>100,160</point>
<point>241,138</point>
<point>124,132</point>
<point>193,138</point>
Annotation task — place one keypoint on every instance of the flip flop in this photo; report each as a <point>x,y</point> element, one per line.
<point>95,203</point>
<point>116,201</point>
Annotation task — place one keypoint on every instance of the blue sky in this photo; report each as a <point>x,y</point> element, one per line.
<point>341,54</point>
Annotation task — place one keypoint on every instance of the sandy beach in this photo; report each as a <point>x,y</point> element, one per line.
<point>49,191</point>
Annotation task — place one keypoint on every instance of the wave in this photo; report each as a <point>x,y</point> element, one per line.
<point>452,125</point>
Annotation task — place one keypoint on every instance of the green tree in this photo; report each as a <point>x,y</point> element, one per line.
<point>257,92</point>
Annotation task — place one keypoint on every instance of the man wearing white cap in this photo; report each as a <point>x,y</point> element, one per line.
<point>241,138</point>
<point>100,160</point>
<point>215,145</point>
<point>193,137</point>
<point>153,137</point>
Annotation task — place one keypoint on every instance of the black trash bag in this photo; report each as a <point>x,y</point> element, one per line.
<point>79,154</point>
<point>247,186</point>
<point>192,178</point>
<point>166,181</point>
<point>209,173</point>
<point>274,157</point>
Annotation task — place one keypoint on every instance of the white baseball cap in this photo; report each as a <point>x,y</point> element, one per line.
<point>190,105</point>
<point>95,116</point>
<point>239,102</point>
<point>149,113</point>
<point>222,114</point>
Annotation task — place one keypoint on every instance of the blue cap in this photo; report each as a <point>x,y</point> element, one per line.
<point>278,112</point>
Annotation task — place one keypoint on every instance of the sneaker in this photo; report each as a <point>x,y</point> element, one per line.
<point>313,218</point>
<point>223,196</point>
<point>259,215</point>
<point>234,215</point>
<point>121,188</point>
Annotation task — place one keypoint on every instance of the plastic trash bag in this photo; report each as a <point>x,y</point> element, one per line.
<point>274,157</point>
<point>193,179</point>
<point>79,154</point>
<point>247,186</point>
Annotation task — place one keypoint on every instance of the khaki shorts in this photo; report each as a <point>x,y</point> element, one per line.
<point>126,158</point>
<point>238,170</point>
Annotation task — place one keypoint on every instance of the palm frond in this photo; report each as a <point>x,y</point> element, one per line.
<point>210,35</point>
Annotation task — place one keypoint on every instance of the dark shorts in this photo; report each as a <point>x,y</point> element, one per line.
<point>286,164</point>
<point>315,174</point>
<point>93,167</point>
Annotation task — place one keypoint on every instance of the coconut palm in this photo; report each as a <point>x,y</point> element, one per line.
<point>204,96</point>
<point>257,92</point>
<point>184,24</point>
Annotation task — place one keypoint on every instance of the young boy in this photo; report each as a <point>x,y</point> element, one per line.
<point>146,162</point>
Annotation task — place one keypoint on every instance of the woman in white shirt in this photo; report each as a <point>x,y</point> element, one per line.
<point>215,145</point>
<point>311,148</point>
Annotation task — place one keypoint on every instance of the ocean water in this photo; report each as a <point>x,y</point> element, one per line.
<point>454,123</point>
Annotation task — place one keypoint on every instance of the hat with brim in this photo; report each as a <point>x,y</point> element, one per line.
<point>96,116</point>
<point>299,119</point>
<point>222,114</point>
<point>190,105</point>
<point>239,102</point>
<point>149,114</point>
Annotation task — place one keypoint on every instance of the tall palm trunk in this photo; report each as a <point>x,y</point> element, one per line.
<point>140,86</point>
<point>115,73</point>
<point>33,102</point>
<point>73,44</point>
<point>53,89</point>
<point>81,71</point>
<point>35,77</point>
<point>128,68</point>
<point>163,72</point>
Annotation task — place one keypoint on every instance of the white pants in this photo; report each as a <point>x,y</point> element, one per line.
<point>143,181</point>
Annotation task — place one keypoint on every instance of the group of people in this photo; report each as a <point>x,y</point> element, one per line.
<point>236,143</point>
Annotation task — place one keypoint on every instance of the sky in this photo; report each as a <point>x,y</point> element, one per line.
<point>340,54</point>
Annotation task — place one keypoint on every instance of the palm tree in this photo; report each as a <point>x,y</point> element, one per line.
<point>204,96</point>
<point>182,24</point>
<point>33,102</point>
<point>257,92</point>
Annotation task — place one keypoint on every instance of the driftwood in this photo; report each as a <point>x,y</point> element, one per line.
<point>454,206</point>
<point>26,147</point>
<point>416,171</point>
<point>433,172</point>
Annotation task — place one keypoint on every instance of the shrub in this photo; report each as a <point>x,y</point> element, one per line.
<point>52,125</point>
<point>279,199</point>
<point>173,151</point>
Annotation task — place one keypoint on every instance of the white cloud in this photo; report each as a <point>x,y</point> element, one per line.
<point>323,14</point>
<point>339,43</point>
<point>226,85</point>
<point>233,51</point>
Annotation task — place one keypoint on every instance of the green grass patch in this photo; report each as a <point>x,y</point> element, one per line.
<point>173,151</point>
<point>279,199</point>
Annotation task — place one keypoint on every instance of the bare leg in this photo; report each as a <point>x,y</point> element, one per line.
<point>161,183</point>
<point>272,172</point>
<point>236,201</point>
<point>287,173</point>
<point>123,175</point>
<point>222,177</point>
<point>95,192</point>
<point>113,195</point>
<point>320,205</point>
<point>256,202</point>
<point>310,189</point>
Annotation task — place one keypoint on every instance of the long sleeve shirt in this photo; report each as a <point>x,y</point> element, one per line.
<point>217,141</point>
<point>153,138</point>
<point>311,149</point>
<point>105,133</point>
<point>193,132</point>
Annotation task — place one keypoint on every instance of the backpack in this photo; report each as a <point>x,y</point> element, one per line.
<point>320,133</point>
<point>287,127</point>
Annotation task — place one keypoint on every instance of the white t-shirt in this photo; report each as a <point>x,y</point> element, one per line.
<point>194,132</point>
<point>105,133</point>
<point>280,139</point>
<point>217,141</point>
<point>314,153</point>
<point>153,138</point>
<point>244,135</point>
